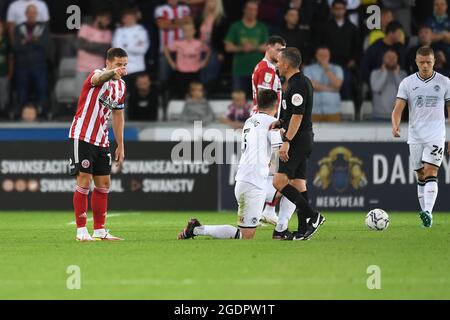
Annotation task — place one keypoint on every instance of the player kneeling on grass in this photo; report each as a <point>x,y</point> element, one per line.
<point>250,189</point>
<point>103,94</point>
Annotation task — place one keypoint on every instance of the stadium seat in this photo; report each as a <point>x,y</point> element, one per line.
<point>219,107</point>
<point>348,110</point>
<point>174,109</point>
<point>64,90</point>
<point>67,67</point>
<point>366,111</point>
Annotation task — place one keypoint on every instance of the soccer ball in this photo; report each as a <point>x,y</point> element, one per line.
<point>377,219</point>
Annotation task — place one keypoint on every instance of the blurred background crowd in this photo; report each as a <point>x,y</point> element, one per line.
<point>199,51</point>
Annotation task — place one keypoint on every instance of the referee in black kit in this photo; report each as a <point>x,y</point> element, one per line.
<point>297,143</point>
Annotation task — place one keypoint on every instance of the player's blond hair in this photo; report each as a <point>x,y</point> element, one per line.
<point>425,51</point>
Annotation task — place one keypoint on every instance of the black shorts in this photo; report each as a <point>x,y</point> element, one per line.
<point>299,151</point>
<point>87,158</point>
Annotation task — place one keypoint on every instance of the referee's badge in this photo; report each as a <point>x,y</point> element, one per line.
<point>297,100</point>
<point>283,103</point>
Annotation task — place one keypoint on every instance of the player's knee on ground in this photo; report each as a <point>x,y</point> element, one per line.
<point>247,233</point>
<point>84,180</point>
<point>280,181</point>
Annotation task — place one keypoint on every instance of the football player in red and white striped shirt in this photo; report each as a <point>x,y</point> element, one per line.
<point>265,73</point>
<point>103,94</point>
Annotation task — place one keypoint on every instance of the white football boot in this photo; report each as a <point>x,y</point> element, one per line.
<point>83,235</point>
<point>103,234</point>
<point>269,215</point>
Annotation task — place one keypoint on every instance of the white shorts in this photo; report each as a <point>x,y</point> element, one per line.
<point>250,201</point>
<point>431,153</point>
<point>270,189</point>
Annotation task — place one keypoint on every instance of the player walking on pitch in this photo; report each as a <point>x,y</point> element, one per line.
<point>250,188</point>
<point>427,93</point>
<point>103,93</point>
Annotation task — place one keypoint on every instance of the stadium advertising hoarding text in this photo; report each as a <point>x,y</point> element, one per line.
<point>342,177</point>
<point>34,176</point>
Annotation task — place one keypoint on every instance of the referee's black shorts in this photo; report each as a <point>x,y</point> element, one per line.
<point>299,151</point>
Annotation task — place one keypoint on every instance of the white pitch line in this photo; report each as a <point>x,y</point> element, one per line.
<point>112,215</point>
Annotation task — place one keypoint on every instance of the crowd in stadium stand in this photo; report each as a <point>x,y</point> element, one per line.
<point>201,50</point>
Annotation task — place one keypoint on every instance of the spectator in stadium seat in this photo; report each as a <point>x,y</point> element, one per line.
<point>188,61</point>
<point>373,57</point>
<point>31,41</point>
<point>343,53</point>
<point>439,23</point>
<point>6,70</point>
<point>143,100</point>
<point>352,7</point>
<point>386,17</point>
<point>441,65</point>
<point>16,13</point>
<point>384,83</point>
<point>29,113</point>
<point>238,111</point>
<point>296,35</point>
<point>196,107</point>
<point>327,79</point>
<point>133,38</point>
<point>425,40</point>
<point>170,18</point>
<point>245,40</point>
<point>213,27</point>
<point>196,7</point>
<point>269,11</point>
<point>93,41</point>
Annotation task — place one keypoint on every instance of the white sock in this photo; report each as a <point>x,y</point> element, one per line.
<point>430,193</point>
<point>218,232</point>
<point>420,191</point>
<point>287,208</point>
<point>269,211</point>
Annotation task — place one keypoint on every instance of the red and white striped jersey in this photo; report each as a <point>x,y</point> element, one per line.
<point>95,105</point>
<point>265,77</point>
<point>171,13</point>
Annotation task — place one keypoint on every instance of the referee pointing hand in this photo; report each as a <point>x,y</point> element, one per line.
<point>297,142</point>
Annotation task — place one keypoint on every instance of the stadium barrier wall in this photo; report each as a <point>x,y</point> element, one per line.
<point>343,176</point>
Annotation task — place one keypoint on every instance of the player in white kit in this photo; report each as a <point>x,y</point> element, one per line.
<point>427,94</point>
<point>250,189</point>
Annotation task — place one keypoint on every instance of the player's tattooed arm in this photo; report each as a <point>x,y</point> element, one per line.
<point>106,75</point>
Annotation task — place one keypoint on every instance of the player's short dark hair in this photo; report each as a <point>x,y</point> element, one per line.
<point>335,2</point>
<point>129,11</point>
<point>266,99</point>
<point>423,26</point>
<point>273,40</point>
<point>293,56</point>
<point>115,53</point>
<point>322,47</point>
<point>425,51</point>
<point>393,26</point>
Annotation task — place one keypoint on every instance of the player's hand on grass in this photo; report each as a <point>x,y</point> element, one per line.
<point>120,155</point>
<point>396,132</point>
<point>283,153</point>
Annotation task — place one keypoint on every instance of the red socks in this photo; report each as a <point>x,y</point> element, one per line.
<point>99,205</point>
<point>80,206</point>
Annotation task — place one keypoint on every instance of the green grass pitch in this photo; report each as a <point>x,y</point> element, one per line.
<point>37,248</point>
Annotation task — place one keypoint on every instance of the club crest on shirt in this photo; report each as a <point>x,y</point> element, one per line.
<point>267,77</point>
<point>437,88</point>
